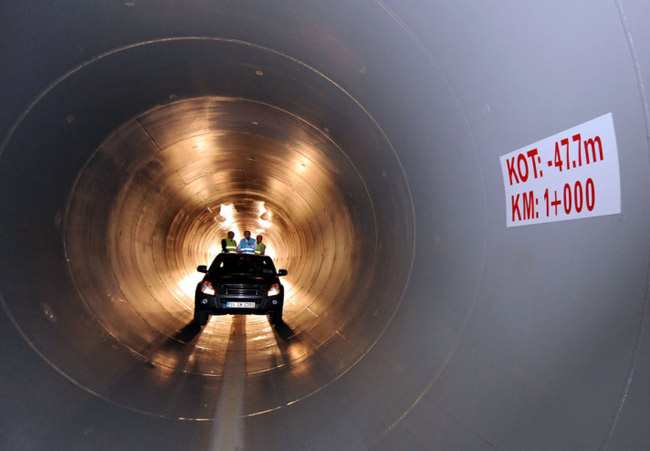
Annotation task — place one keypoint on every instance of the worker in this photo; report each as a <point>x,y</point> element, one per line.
<point>260,248</point>
<point>229,245</point>
<point>247,244</point>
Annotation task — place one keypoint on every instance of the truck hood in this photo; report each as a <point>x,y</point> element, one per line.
<point>245,279</point>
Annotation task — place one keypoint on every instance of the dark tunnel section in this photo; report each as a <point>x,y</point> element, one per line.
<point>362,140</point>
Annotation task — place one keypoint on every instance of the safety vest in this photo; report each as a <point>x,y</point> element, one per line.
<point>259,248</point>
<point>231,245</point>
<point>246,247</point>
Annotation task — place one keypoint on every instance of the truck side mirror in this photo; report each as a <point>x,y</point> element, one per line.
<point>282,272</point>
<point>202,268</point>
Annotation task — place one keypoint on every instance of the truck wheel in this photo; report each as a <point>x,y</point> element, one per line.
<point>201,318</point>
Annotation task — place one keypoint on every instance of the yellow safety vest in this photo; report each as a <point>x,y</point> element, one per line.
<point>258,248</point>
<point>231,245</point>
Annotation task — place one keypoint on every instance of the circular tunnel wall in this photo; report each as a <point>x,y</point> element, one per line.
<point>159,194</point>
<point>154,199</point>
<point>362,142</point>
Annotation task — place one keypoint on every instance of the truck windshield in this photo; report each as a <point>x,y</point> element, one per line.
<point>226,264</point>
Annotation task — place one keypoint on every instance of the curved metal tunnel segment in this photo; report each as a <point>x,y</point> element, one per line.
<point>362,141</point>
<point>177,179</point>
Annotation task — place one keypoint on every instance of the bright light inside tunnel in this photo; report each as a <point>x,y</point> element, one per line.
<point>213,251</point>
<point>289,291</point>
<point>265,217</point>
<point>200,145</point>
<point>227,214</point>
<point>301,165</point>
<point>187,285</point>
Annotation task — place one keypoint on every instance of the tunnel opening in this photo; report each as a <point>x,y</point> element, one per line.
<point>154,198</point>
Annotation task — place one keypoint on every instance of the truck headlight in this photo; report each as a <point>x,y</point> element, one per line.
<point>207,288</point>
<point>274,290</point>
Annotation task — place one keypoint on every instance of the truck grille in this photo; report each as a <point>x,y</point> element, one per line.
<point>240,291</point>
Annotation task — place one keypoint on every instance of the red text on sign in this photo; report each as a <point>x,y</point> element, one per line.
<point>592,150</point>
<point>518,166</point>
<point>574,198</point>
<point>526,209</point>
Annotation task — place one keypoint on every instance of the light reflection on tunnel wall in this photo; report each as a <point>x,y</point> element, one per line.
<point>172,197</point>
<point>171,232</point>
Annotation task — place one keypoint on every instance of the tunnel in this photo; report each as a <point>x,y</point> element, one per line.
<point>365,141</point>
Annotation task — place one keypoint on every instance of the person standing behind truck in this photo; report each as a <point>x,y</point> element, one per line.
<point>260,248</point>
<point>247,244</point>
<point>229,245</point>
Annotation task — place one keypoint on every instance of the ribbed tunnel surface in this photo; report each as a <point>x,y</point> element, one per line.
<point>158,195</point>
<point>362,140</point>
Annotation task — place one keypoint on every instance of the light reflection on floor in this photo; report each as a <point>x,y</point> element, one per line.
<point>286,347</point>
<point>266,348</point>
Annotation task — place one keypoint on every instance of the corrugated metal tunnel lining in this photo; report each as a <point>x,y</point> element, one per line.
<point>137,134</point>
<point>160,192</point>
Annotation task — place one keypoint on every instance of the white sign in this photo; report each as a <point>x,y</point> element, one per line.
<point>573,174</point>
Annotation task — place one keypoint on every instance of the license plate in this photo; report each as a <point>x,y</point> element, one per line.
<point>240,304</point>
